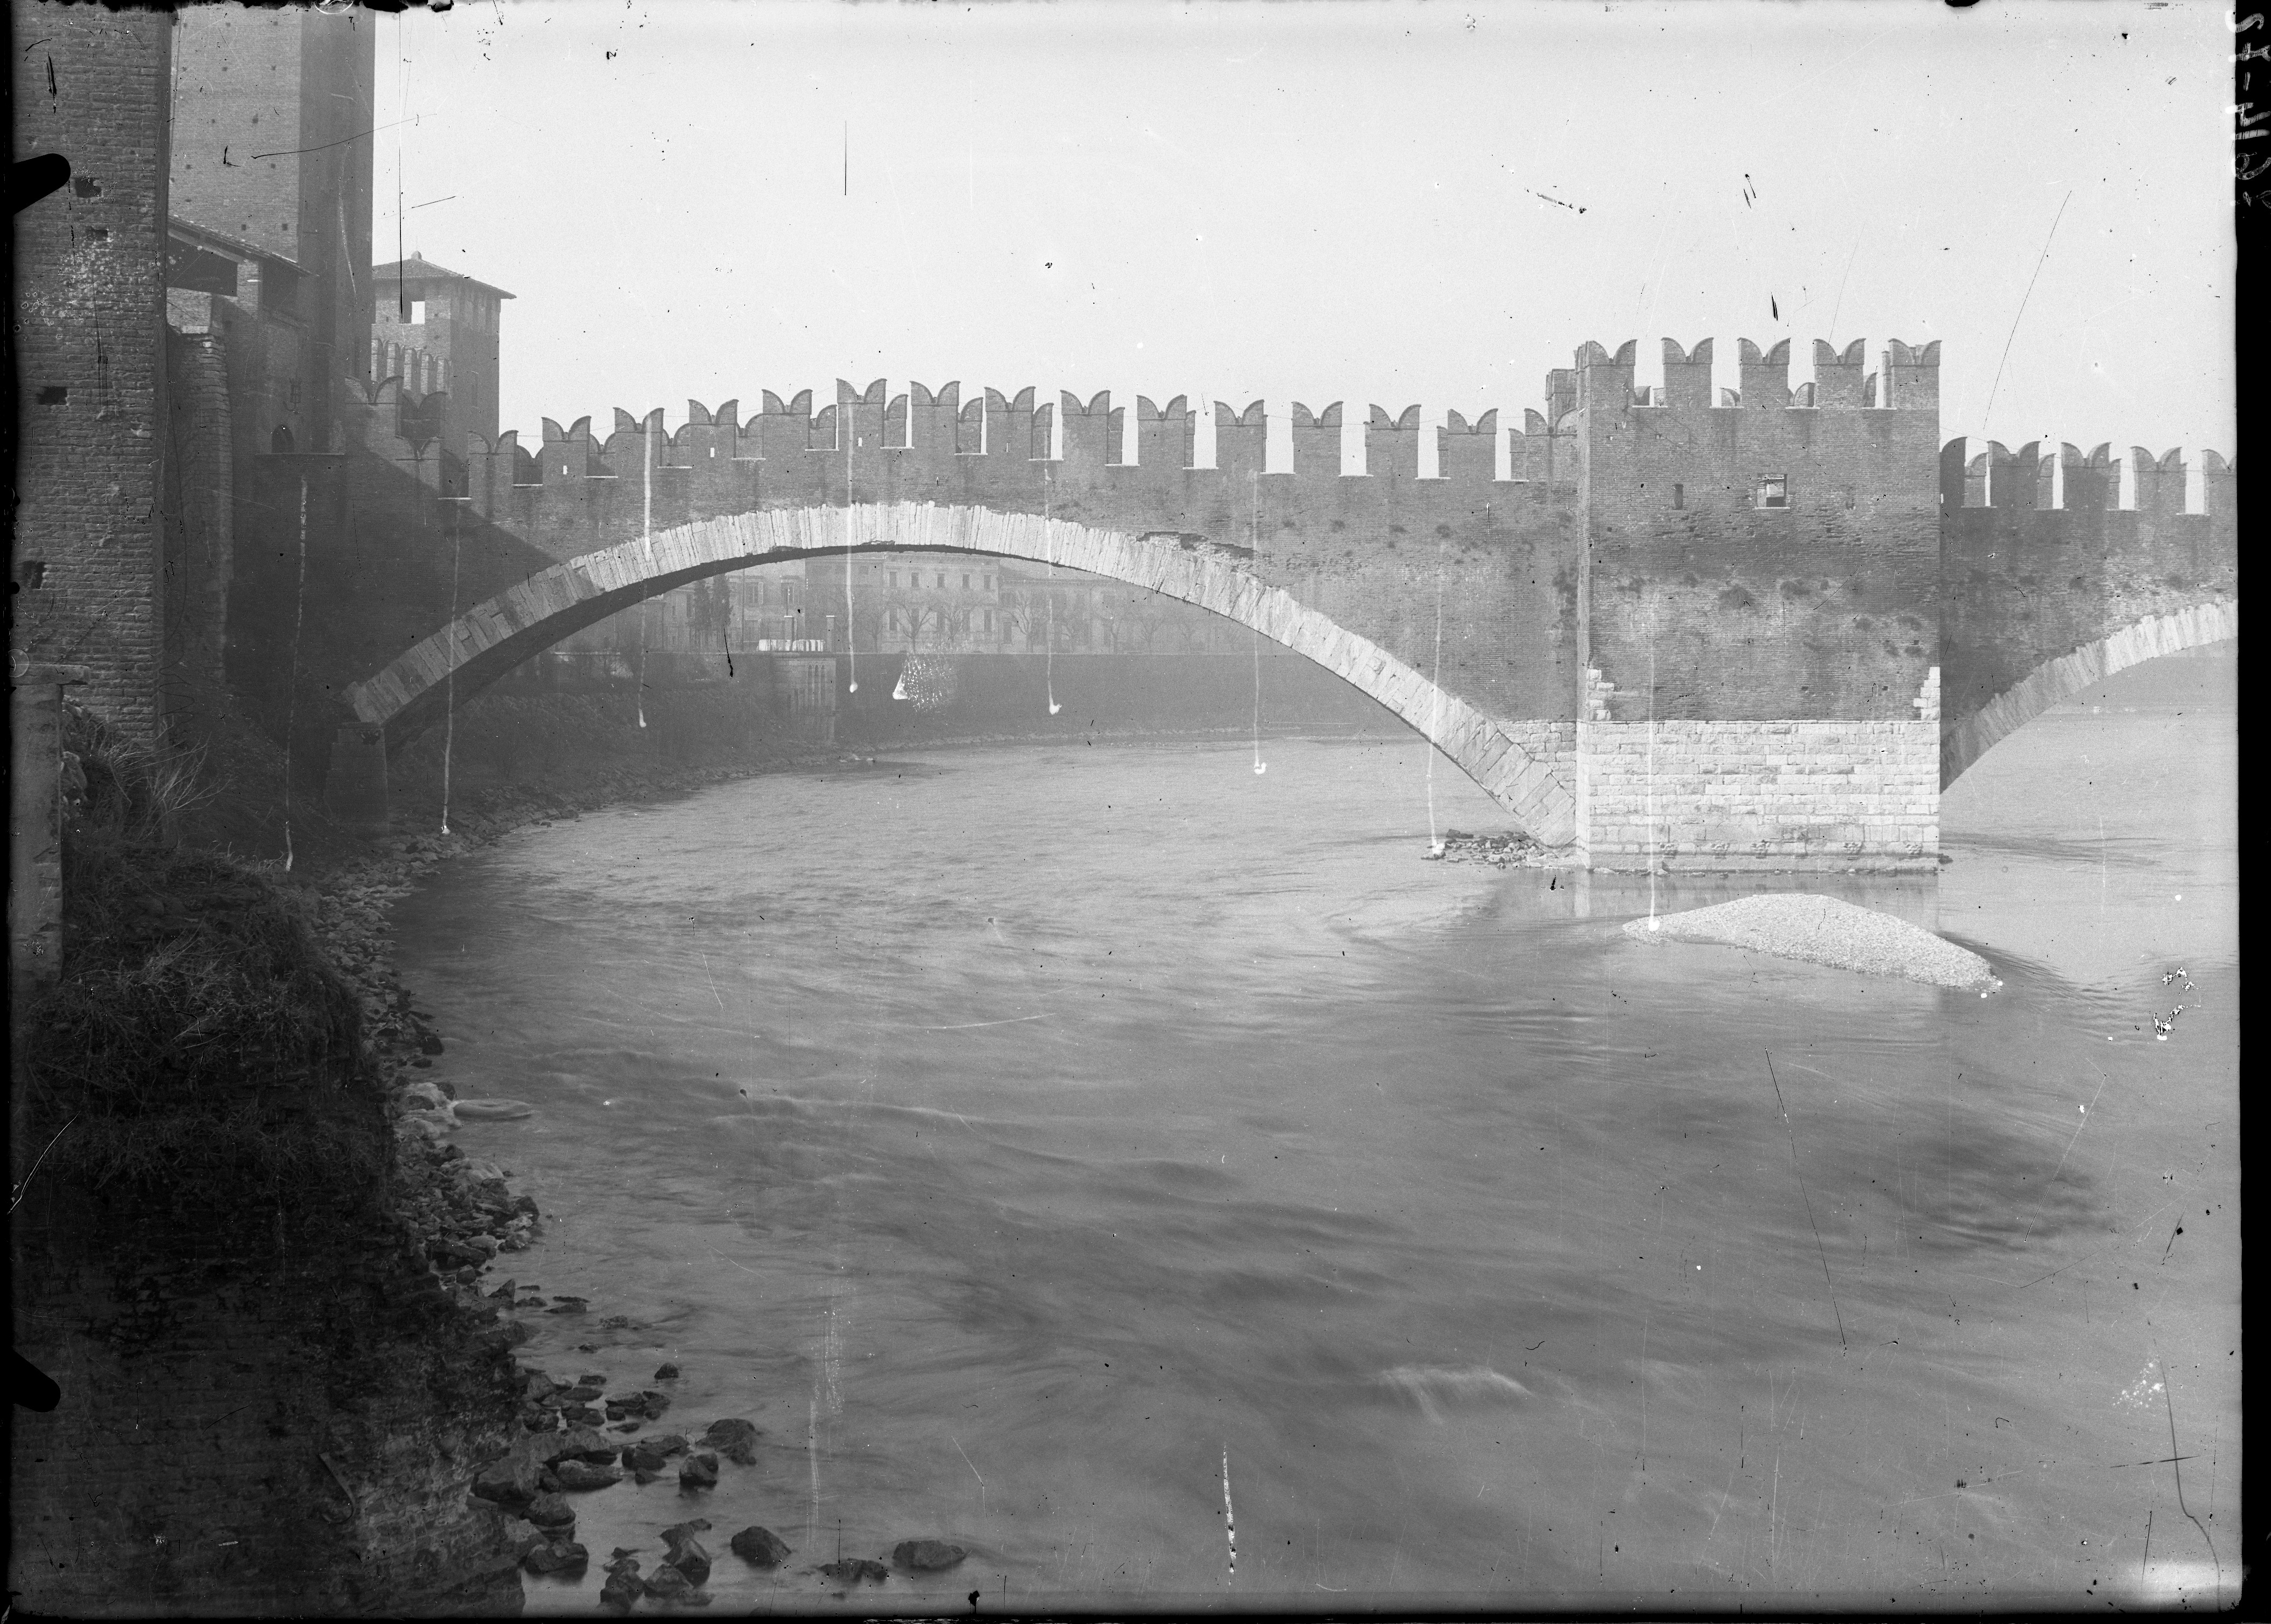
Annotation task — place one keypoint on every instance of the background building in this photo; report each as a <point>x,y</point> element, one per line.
<point>437,331</point>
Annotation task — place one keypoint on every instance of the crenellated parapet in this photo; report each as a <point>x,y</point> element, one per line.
<point>573,487</point>
<point>2037,478</point>
<point>2047,549</point>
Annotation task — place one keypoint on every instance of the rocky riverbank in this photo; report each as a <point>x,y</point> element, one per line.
<point>1512,849</point>
<point>577,1437</point>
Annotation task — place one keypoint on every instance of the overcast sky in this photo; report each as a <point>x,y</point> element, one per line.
<point>1396,203</point>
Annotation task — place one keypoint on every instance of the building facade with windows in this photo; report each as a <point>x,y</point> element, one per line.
<point>907,603</point>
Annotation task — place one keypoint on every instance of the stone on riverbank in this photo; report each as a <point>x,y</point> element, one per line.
<point>577,1443</point>
<point>669,1583</point>
<point>734,1438</point>
<point>699,1472</point>
<point>623,1587</point>
<point>550,1511</point>
<point>491,1110</point>
<point>1825,930</point>
<point>687,1553</point>
<point>760,1547</point>
<point>927,1555</point>
<point>563,1557</point>
<point>509,1482</point>
<point>852,1570</point>
<point>577,1476</point>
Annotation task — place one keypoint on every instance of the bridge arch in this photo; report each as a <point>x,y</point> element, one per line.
<point>1528,767</point>
<point>1972,736</point>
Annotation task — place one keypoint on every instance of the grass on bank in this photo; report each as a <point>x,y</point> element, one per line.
<point>199,1038</point>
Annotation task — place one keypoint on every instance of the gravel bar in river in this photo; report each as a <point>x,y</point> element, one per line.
<point>1824,931</point>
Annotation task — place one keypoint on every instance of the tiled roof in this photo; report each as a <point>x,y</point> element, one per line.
<point>417,269</point>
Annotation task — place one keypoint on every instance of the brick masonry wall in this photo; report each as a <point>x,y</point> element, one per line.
<point>1729,609</point>
<point>1797,793</point>
<point>2026,584</point>
<point>91,365</point>
<point>36,829</point>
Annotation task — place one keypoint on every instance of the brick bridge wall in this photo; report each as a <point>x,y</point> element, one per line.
<point>1372,552</point>
<point>1777,557</point>
<point>2048,551</point>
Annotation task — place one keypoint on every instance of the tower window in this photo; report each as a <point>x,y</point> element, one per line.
<point>1679,495</point>
<point>1773,491</point>
<point>417,311</point>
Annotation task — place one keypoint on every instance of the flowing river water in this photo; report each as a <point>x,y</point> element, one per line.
<point>1019,1135</point>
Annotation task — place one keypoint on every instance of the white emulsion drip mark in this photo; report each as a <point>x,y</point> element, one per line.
<point>1435,719</point>
<point>1049,652</point>
<point>851,432</point>
<point>1259,766</point>
<point>646,536</point>
<point>450,695</point>
<point>1229,1522</point>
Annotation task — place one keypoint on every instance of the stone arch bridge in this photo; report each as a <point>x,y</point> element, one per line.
<point>1525,765</point>
<point>1715,629</point>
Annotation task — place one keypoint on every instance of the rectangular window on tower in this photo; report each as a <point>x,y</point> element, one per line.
<point>1679,495</point>
<point>1773,491</point>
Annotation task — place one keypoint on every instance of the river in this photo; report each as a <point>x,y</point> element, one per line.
<point>1019,1136</point>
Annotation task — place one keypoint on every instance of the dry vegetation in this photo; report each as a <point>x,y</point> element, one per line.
<point>199,1038</point>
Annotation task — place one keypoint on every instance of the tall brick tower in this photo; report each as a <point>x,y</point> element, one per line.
<point>89,85</point>
<point>273,148</point>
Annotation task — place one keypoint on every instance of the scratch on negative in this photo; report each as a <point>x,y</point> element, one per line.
<point>971,1025</point>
